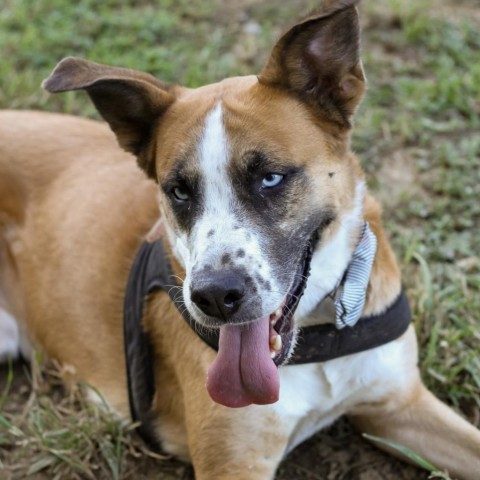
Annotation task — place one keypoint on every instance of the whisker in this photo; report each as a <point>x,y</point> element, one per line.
<point>180,279</point>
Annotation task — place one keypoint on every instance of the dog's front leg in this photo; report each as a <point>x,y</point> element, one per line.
<point>225,443</point>
<point>222,443</point>
<point>429,428</point>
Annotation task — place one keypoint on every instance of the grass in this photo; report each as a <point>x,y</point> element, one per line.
<point>432,121</point>
<point>63,434</point>
<point>412,456</point>
<point>173,40</point>
<point>416,133</point>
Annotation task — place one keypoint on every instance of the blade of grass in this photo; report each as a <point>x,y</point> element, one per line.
<point>6,390</point>
<point>414,457</point>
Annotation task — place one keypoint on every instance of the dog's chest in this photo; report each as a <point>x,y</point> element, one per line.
<point>313,396</point>
<point>307,402</point>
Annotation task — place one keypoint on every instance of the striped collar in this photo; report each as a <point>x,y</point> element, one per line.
<point>351,292</point>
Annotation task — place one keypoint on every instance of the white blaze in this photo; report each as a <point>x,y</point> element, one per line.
<point>220,230</point>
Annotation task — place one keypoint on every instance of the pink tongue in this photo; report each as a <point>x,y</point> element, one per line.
<point>243,371</point>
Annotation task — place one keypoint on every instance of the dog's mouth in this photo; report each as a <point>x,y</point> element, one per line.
<point>245,369</point>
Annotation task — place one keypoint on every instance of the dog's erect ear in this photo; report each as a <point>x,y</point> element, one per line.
<point>318,60</point>
<point>130,101</point>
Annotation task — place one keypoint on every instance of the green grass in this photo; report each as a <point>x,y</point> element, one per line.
<point>425,100</point>
<point>182,40</point>
<point>412,456</point>
<point>416,133</point>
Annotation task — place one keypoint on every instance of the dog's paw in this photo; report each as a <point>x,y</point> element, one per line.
<point>9,336</point>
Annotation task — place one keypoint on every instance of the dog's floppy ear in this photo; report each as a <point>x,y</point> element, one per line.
<point>130,101</point>
<point>318,60</point>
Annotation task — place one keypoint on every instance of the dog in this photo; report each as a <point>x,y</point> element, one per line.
<point>250,201</point>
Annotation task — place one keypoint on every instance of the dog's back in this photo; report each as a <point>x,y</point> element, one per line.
<point>36,150</point>
<point>34,147</point>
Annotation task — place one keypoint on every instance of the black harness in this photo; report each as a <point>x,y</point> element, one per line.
<point>151,271</point>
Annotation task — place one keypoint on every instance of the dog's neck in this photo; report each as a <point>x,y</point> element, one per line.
<point>344,305</point>
<point>333,257</point>
<point>331,260</point>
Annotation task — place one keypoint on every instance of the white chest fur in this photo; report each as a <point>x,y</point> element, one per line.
<point>312,396</point>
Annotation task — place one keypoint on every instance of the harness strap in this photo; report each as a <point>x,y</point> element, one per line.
<point>320,343</point>
<point>150,272</point>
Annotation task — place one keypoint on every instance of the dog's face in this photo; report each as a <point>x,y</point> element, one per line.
<point>255,176</point>
<point>246,196</point>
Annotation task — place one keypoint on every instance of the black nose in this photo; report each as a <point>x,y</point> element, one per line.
<point>219,295</point>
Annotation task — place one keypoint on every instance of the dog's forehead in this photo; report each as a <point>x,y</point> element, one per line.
<point>273,122</point>
<point>253,118</point>
<point>181,127</point>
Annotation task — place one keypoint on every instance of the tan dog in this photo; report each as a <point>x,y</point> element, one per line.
<point>256,186</point>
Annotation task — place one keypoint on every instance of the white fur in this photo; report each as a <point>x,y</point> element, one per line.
<point>312,396</point>
<point>214,156</point>
<point>9,336</point>
<point>330,261</point>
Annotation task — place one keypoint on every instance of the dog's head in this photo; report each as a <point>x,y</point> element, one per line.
<point>256,178</point>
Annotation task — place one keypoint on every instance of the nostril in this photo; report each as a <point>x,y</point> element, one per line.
<point>231,299</point>
<point>202,301</point>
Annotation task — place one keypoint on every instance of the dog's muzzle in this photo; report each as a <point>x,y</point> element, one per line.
<point>245,368</point>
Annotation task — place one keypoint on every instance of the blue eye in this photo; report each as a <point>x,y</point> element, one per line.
<point>180,194</point>
<point>271,180</point>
